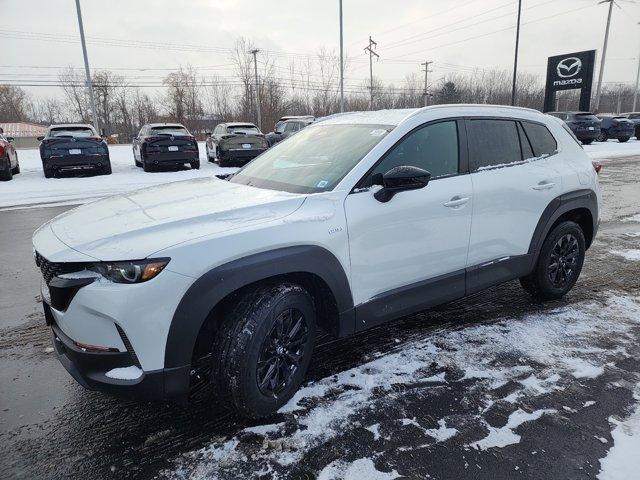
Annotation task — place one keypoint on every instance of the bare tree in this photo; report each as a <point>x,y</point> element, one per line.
<point>14,104</point>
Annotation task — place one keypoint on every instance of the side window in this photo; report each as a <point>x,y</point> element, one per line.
<point>541,139</point>
<point>493,143</point>
<point>433,148</point>
<point>527,151</point>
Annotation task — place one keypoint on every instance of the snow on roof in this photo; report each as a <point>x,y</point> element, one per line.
<point>240,124</point>
<point>23,129</point>
<point>155,125</point>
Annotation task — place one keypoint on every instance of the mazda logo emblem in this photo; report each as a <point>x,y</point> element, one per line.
<point>569,67</point>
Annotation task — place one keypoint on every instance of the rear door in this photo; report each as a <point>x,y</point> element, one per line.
<point>513,182</point>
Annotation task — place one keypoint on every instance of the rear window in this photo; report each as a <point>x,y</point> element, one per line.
<point>540,138</point>
<point>243,129</point>
<point>586,116</point>
<point>72,132</point>
<point>494,143</point>
<point>176,131</point>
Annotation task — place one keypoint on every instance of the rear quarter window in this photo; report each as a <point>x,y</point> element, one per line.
<point>541,139</point>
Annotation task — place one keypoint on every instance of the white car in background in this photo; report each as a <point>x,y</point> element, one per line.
<point>356,220</point>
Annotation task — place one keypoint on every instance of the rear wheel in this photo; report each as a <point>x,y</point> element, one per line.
<point>263,348</point>
<point>587,142</point>
<point>106,169</point>
<point>195,165</point>
<point>146,167</point>
<point>16,169</point>
<point>559,263</point>
<point>602,137</point>
<point>623,139</point>
<point>6,173</point>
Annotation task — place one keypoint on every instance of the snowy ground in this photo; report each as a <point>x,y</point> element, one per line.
<point>30,188</point>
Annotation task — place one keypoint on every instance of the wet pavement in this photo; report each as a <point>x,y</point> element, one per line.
<point>52,428</point>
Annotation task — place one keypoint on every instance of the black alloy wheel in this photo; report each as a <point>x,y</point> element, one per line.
<point>281,353</point>
<point>563,260</point>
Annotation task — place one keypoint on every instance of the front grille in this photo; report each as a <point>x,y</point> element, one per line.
<point>53,269</point>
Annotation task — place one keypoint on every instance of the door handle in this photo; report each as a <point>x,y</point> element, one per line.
<point>544,185</point>
<point>456,202</point>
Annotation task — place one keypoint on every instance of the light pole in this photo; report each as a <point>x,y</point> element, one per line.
<point>635,92</point>
<point>515,61</point>
<point>254,52</point>
<point>87,72</point>
<point>604,52</point>
<point>341,61</point>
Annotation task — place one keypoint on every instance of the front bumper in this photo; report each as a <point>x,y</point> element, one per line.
<point>65,163</point>
<point>171,158</point>
<point>89,369</point>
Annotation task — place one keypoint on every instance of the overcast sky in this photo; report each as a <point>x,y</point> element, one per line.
<point>458,35</point>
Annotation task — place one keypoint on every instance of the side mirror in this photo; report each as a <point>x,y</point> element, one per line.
<point>40,139</point>
<point>399,179</point>
<point>9,139</point>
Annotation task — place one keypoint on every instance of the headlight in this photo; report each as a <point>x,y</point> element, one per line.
<point>131,272</point>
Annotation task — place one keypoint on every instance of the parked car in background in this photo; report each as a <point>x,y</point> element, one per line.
<point>74,148</point>
<point>285,129</point>
<point>351,223</point>
<point>235,143</point>
<point>165,144</point>
<point>634,117</point>
<point>9,165</point>
<point>293,117</point>
<point>615,126</point>
<point>584,125</point>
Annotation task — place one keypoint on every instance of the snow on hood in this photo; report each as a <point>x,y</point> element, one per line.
<point>135,225</point>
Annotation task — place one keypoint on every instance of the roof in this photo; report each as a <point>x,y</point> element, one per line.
<point>295,117</point>
<point>155,125</point>
<point>71,125</point>
<point>396,117</point>
<point>23,129</point>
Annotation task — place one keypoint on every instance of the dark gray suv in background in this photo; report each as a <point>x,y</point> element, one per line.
<point>584,125</point>
<point>634,117</point>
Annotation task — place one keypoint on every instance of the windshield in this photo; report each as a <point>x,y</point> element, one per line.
<point>72,132</point>
<point>314,160</point>
<point>243,129</point>
<point>174,131</point>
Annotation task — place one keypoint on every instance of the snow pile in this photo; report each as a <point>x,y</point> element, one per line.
<point>31,188</point>
<point>359,470</point>
<point>623,460</point>
<point>633,254</point>
<point>125,373</point>
<point>560,343</point>
<point>613,149</point>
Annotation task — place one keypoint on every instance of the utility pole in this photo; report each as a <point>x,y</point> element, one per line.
<point>254,52</point>
<point>89,85</point>
<point>635,92</point>
<point>370,48</point>
<point>604,52</point>
<point>515,61</point>
<point>341,61</point>
<point>426,84</point>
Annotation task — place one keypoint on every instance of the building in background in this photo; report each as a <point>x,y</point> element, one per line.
<point>25,135</point>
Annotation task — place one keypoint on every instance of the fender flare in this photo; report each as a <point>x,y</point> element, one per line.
<point>560,205</point>
<point>208,290</point>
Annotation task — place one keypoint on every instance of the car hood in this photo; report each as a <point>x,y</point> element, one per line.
<point>135,225</point>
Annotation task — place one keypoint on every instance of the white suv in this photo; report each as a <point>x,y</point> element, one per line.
<point>358,219</point>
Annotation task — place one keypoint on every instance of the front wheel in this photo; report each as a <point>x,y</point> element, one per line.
<point>624,139</point>
<point>602,137</point>
<point>264,348</point>
<point>559,263</point>
<point>195,165</point>
<point>587,142</point>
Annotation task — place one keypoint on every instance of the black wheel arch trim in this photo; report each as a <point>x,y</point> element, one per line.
<point>212,287</point>
<point>578,199</point>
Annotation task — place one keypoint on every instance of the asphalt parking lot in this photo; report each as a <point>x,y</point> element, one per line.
<point>480,403</point>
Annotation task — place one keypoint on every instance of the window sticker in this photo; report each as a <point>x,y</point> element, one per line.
<point>322,183</point>
<point>378,132</point>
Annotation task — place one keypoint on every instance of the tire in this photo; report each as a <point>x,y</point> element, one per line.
<point>587,142</point>
<point>48,173</point>
<point>146,167</point>
<point>195,165</point>
<point>6,173</point>
<point>624,139</point>
<point>244,353</point>
<point>602,137</point>
<point>106,169</point>
<point>566,240</point>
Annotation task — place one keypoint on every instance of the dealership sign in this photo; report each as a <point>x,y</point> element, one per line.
<point>570,71</point>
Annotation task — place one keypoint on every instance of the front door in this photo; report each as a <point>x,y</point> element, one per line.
<point>411,252</point>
